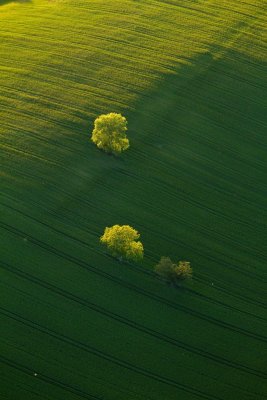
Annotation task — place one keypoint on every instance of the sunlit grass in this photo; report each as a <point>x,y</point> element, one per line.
<point>189,77</point>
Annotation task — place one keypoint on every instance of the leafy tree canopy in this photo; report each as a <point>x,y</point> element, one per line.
<point>109,133</point>
<point>173,273</point>
<point>122,241</point>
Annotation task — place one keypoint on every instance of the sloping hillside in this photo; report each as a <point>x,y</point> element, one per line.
<point>190,76</point>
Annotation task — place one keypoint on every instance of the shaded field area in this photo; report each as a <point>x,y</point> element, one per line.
<point>190,76</point>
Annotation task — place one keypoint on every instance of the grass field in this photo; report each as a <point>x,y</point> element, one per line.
<point>190,76</point>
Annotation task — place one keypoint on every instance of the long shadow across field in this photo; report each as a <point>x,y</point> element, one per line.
<point>201,131</point>
<point>193,183</point>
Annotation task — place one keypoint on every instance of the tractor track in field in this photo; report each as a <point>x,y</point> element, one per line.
<point>21,388</point>
<point>48,379</point>
<point>163,211</point>
<point>170,191</point>
<point>134,288</point>
<point>179,194</point>
<point>107,357</point>
<point>189,76</point>
<point>216,260</point>
<point>139,268</point>
<point>70,370</point>
<point>242,297</point>
<point>126,321</point>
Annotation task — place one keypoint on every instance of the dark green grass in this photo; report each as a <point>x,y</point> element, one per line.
<point>193,183</point>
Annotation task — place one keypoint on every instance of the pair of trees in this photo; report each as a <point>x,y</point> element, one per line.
<point>173,273</point>
<point>122,241</point>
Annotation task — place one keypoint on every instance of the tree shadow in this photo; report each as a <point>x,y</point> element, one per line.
<point>4,2</point>
<point>208,104</point>
<point>199,136</point>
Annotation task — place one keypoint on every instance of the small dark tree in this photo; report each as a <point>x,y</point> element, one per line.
<point>173,273</point>
<point>165,269</point>
<point>183,270</point>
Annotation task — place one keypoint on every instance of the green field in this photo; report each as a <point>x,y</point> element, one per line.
<point>190,76</point>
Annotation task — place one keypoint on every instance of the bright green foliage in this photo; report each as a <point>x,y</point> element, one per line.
<point>173,273</point>
<point>122,242</point>
<point>109,133</point>
<point>189,76</point>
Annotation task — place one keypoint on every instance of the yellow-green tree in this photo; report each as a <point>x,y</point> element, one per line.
<point>173,273</point>
<point>109,133</point>
<point>122,241</point>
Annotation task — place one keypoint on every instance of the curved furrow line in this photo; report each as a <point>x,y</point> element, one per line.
<point>51,141</point>
<point>220,103</point>
<point>85,88</point>
<point>202,229</point>
<point>185,368</point>
<point>138,268</point>
<point>45,118</point>
<point>150,4</point>
<point>32,155</point>
<point>108,357</point>
<point>237,78</point>
<point>49,379</point>
<point>193,94</point>
<point>106,86</point>
<point>104,51</point>
<point>197,251</point>
<point>211,300</point>
<point>174,191</point>
<point>140,153</point>
<point>99,183</point>
<point>180,191</point>
<point>83,91</point>
<point>129,43</point>
<point>20,387</point>
<point>28,154</point>
<point>258,7</point>
<point>170,190</point>
<point>189,173</point>
<point>159,36</point>
<point>217,260</point>
<point>64,76</point>
<point>143,270</point>
<point>183,130</point>
<point>224,238</point>
<point>202,140</point>
<point>133,324</point>
<point>132,287</point>
<point>71,369</point>
<point>213,12</point>
<point>25,95</point>
<point>41,118</point>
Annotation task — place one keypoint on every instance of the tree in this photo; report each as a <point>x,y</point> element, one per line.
<point>183,270</point>
<point>165,268</point>
<point>173,273</point>
<point>109,133</point>
<point>122,241</point>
